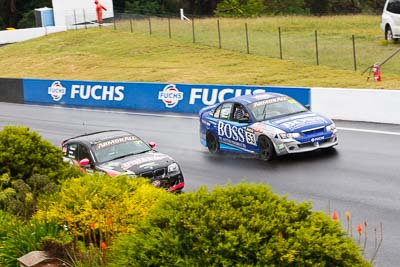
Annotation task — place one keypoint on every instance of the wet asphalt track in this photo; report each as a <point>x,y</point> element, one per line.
<point>362,176</point>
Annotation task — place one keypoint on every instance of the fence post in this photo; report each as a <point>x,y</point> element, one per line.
<point>76,23</point>
<point>130,21</point>
<point>316,47</point>
<point>354,53</point>
<point>280,43</point>
<point>115,25</point>
<point>84,18</point>
<point>150,32</point>
<point>194,36</point>
<point>169,28</point>
<point>219,35</point>
<point>247,39</point>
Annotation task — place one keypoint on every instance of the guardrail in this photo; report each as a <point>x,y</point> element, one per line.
<point>379,106</point>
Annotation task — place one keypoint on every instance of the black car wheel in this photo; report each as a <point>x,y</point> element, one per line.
<point>212,143</point>
<point>389,34</point>
<point>267,150</point>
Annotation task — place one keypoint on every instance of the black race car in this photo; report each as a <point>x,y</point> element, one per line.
<point>117,152</point>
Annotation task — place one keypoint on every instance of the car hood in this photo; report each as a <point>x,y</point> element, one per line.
<point>137,164</point>
<point>299,122</point>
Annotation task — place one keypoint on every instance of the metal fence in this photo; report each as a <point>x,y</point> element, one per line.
<point>348,51</point>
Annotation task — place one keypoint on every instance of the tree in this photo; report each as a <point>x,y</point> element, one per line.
<point>238,8</point>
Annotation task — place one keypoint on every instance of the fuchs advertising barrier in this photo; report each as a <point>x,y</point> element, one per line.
<point>159,97</point>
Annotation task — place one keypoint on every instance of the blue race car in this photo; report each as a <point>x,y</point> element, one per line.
<point>267,125</point>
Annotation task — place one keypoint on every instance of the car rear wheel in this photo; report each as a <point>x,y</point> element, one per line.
<point>212,143</point>
<point>267,150</point>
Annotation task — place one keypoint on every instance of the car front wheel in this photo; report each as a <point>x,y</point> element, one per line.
<point>389,34</point>
<point>212,143</point>
<point>267,150</point>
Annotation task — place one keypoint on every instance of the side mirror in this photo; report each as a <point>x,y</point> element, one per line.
<point>152,144</point>
<point>84,162</point>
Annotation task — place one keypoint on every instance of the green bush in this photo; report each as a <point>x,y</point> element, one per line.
<point>24,153</point>
<point>244,225</point>
<point>18,238</point>
<point>95,208</point>
<point>29,166</point>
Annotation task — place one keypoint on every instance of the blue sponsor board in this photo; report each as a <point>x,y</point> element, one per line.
<point>160,97</point>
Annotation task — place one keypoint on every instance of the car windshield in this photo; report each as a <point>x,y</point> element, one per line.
<point>119,148</point>
<point>275,107</point>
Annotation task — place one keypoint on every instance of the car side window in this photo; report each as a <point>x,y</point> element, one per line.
<point>77,152</point>
<point>83,152</point>
<point>226,111</point>
<point>217,112</point>
<point>394,6</point>
<point>72,151</point>
<point>240,113</point>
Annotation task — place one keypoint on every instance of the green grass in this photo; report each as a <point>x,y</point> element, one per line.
<point>119,55</point>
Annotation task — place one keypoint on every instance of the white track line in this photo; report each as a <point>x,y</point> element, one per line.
<point>194,117</point>
<point>368,131</point>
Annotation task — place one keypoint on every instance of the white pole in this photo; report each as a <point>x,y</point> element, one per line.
<point>183,17</point>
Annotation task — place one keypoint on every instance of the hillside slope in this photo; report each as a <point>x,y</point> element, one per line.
<point>104,54</point>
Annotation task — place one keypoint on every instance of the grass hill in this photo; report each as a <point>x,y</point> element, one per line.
<point>119,55</point>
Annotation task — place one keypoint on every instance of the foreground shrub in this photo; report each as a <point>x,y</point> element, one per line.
<point>245,225</point>
<point>24,153</point>
<point>94,208</point>
<point>29,166</point>
<point>18,238</point>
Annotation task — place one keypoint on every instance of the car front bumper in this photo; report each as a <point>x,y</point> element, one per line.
<point>294,146</point>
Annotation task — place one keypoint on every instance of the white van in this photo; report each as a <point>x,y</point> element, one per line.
<point>391,20</point>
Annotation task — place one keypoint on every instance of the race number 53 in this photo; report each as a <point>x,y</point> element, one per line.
<point>251,138</point>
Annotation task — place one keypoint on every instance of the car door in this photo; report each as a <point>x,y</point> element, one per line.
<point>232,124</point>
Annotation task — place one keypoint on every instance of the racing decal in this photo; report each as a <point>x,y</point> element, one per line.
<point>300,123</point>
<point>125,166</point>
<point>251,138</point>
<point>231,132</point>
<point>115,141</point>
<point>316,139</point>
<point>237,136</point>
<point>56,91</point>
<point>170,95</point>
<point>270,101</point>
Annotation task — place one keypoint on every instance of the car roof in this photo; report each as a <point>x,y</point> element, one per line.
<point>95,137</point>
<point>248,99</point>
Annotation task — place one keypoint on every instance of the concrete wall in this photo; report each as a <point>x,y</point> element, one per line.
<point>14,36</point>
<point>381,106</point>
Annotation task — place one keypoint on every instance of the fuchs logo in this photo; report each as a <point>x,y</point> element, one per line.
<point>170,95</point>
<point>57,91</point>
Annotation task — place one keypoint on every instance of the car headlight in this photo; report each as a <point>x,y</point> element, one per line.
<point>173,168</point>
<point>289,135</point>
<point>330,128</point>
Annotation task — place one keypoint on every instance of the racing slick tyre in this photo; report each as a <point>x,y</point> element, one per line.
<point>267,150</point>
<point>212,143</point>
